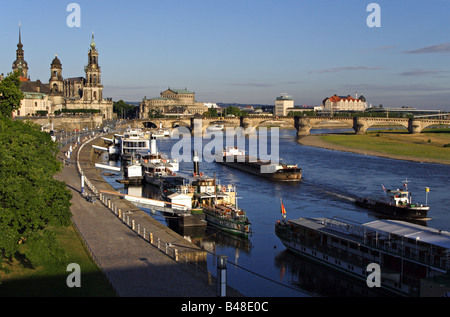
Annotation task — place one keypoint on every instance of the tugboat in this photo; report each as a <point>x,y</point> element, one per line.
<point>236,158</point>
<point>397,203</point>
<point>228,217</point>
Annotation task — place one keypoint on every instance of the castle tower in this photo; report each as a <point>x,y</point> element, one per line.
<point>20,64</point>
<point>93,89</point>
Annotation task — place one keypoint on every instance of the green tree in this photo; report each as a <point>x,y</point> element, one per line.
<point>124,109</point>
<point>236,111</point>
<point>212,112</point>
<point>10,94</point>
<point>31,199</point>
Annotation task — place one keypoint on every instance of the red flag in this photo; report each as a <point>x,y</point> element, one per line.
<point>283,211</point>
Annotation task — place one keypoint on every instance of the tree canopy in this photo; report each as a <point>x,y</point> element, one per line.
<point>123,109</point>
<point>31,199</point>
<point>10,94</point>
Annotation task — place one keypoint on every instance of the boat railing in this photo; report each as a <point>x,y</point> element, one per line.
<point>345,227</point>
<point>412,250</point>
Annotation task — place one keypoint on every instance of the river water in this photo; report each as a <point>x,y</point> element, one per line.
<point>261,266</point>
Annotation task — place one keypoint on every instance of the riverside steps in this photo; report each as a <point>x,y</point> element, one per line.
<point>140,256</point>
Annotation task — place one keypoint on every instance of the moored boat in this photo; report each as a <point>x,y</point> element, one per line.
<point>397,203</point>
<point>227,217</point>
<point>132,142</point>
<point>405,253</point>
<point>233,157</point>
<point>218,203</point>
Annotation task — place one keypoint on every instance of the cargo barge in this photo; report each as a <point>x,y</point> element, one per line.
<point>235,158</point>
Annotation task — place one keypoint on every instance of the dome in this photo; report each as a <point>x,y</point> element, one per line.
<point>56,62</point>
<point>20,63</point>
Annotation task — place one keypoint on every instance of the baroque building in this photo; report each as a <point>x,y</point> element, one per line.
<point>71,93</point>
<point>172,102</point>
<point>344,103</point>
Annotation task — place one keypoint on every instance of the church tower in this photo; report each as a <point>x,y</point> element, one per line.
<point>56,79</point>
<point>56,84</point>
<point>93,88</point>
<point>20,64</point>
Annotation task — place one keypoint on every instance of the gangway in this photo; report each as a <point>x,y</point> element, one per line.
<point>108,167</point>
<point>158,205</point>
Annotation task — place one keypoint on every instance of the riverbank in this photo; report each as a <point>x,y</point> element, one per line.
<point>425,148</point>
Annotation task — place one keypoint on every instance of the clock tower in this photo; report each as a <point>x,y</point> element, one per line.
<point>93,88</point>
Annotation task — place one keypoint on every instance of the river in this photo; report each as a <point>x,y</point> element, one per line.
<point>261,266</point>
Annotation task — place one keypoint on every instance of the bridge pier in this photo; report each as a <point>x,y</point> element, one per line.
<point>302,125</point>
<point>414,126</point>
<point>359,125</point>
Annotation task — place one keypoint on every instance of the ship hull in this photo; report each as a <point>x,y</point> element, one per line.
<point>291,174</point>
<point>331,260</point>
<point>228,226</point>
<point>408,212</point>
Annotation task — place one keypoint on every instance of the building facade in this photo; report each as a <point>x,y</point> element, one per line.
<point>71,93</point>
<point>282,104</point>
<point>344,103</point>
<point>172,102</point>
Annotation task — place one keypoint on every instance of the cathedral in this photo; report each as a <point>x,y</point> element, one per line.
<point>75,93</point>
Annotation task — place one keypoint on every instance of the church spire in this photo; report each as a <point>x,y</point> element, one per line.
<point>19,45</point>
<point>20,64</point>
<point>92,43</point>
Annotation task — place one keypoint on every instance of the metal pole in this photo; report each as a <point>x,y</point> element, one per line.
<point>82,183</point>
<point>221,275</point>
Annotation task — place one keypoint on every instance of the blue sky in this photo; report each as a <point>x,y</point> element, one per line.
<point>244,51</point>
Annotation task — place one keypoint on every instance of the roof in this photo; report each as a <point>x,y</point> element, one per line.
<point>34,86</point>
<point>181,91</point>
<point>56,62</point>
<point>34,95</point>
<point>412,231</point>
<point>75,79</point>
<point>400,228</point>
<point>179,195</point>
<point>160,98</point>
<point>285,98</point>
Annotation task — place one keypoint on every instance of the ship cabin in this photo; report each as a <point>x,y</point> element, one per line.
<point>398,197</point>
<point>406,252</point>
<point>207,191</point>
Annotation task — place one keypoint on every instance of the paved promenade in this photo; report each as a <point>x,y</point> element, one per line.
<point>134,266</point>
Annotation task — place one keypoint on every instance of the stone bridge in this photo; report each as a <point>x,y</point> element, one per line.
<point>303,125</point>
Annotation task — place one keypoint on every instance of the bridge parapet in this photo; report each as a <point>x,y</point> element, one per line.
<point>303,125</point>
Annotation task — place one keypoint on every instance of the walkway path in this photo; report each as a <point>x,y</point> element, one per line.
<point>133,266</point>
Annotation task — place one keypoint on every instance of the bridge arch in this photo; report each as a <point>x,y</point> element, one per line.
<point>361,124</point>
<point>149,125</point>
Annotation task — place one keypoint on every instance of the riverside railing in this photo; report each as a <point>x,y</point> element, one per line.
<point>166,247</point>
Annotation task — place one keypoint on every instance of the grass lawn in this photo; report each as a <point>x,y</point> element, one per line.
<point>429,144</point>
<point>49,280</point>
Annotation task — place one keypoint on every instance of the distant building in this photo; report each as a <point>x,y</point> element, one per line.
<point>211,105</point>
<point>282,104</point>
<point>344,103</point>
<point>174,102</point>
<point>71,93</point>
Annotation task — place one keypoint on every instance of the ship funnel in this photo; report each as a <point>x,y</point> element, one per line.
<point>195,159</point>
<point>153,145</point>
